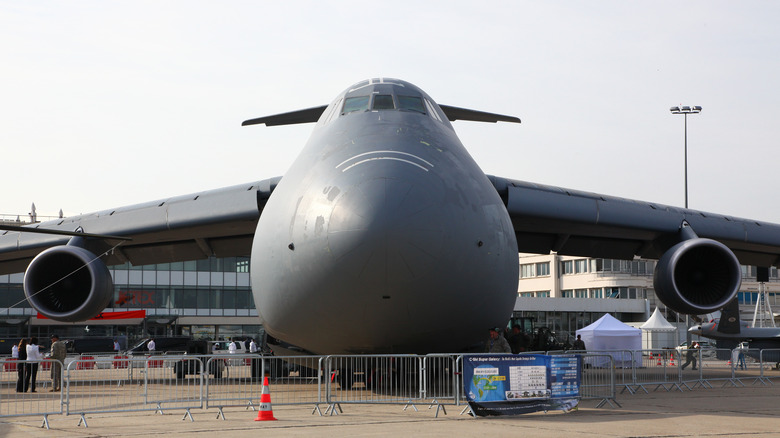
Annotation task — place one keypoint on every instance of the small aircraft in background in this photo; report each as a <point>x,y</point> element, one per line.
<point>730,332</point>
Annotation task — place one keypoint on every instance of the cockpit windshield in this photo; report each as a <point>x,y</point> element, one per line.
<point>381,95</point>
<point>352,104</point>
<point>411,103</point>
<point>383,102</point>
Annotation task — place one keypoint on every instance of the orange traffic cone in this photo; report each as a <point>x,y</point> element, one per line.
<point>671,361</point>
<point>266,413</point>
<point>660,364</point>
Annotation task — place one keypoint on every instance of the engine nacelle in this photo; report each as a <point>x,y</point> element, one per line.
<point>59,285</point>
<point>697,276</point>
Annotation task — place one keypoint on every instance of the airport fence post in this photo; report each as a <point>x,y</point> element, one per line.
<point>457,379</point>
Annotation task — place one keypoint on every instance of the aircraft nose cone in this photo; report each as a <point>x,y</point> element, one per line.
<point>386,228</point>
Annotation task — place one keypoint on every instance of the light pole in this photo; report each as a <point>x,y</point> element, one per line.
<point>685,110</point>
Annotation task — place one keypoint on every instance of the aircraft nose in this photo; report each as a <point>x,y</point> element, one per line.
<point>376,240</point>
<point>386,228</point>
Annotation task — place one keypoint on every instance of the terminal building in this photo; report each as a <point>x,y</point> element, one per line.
<point>567,293</point>
<point>208,299</point>
<point>212,299</point>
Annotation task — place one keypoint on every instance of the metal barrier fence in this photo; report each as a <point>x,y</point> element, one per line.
<point>392,379</point>
<point>116,383</point>
<point>672,369</point>
<point>237,380</point>
<point>25,388</point>
<point>132,384</point>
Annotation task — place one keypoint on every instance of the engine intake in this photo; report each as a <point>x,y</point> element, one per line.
<point>68,283</point>
<point>697,276</point>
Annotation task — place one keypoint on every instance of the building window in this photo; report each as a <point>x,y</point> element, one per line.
<point>596,293</point>
<point>242,265</point>
<point>747,297</point>
<point>581,293</point>
<point>568,293</point>
<point>525,294</point>
<point>543,269</point>
<point>580,266</point>
<point>567,266</point>
<point>545,293</point>
<point>527,271</point>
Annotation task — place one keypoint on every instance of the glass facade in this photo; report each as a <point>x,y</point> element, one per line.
<point>210,287</point>
<point>216,287</point>
<point>213,287</point>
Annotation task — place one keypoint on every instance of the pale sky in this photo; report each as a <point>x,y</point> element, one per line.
<point>106,104</point>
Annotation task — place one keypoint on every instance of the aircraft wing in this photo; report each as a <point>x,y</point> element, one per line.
<point>573,222</point>
<point>218,222</point>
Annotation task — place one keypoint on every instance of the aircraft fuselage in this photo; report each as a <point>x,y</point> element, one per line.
<point>384,235</point>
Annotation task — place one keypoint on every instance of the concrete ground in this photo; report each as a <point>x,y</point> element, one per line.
<point>720,411</point>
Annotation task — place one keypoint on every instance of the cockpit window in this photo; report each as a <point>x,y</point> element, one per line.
<point>432,110</point>
<point>383,102</point>
<point>352,104</point>
<point>411,103</point>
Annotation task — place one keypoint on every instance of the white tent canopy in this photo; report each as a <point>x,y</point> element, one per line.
<point>658,332</point>
<point>609,334</point>
<point>657,323</point>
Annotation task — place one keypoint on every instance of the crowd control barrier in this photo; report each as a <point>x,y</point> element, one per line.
<point>114,383</point>
<point>38,399</point>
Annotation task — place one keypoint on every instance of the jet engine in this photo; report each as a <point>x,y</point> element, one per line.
<point>697,276</point>
<point>68,283</point>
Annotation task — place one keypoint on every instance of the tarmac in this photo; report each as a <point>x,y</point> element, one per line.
<point>703,412</point>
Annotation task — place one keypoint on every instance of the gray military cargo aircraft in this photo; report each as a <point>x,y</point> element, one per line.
<point>385,236</point>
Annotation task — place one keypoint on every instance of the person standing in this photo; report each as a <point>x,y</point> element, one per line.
<point>34,357</point>
<point>497,343</point>
<point>21,367</point>
<point>232,347</point>
<point>517,340</point>
<point>579,344</point>
<point>58,352</point>
<point>116,346</point>
<point>252,346</point>
<point>741,356</point>
<point>15,352</point>
<point>151,346</point>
